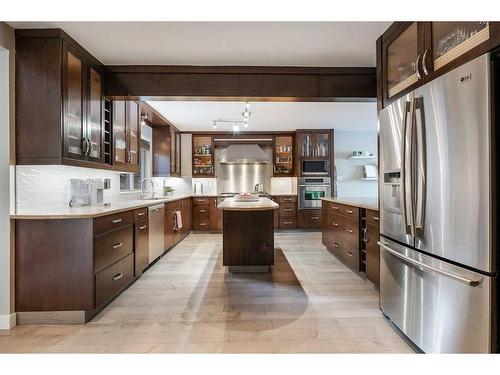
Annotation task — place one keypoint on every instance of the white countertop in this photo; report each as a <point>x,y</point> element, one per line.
<point>262,204</point>
<point>86,212</point>
<point>362,202</point>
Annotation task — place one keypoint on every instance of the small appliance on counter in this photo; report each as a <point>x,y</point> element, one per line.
<point>88,192</point>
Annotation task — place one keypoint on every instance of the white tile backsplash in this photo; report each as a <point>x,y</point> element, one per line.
<point>49,185</point>
<point>283,185</point>
<point>209,185</point>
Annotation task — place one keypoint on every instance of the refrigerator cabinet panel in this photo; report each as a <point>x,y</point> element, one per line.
<point>442,308</point>
<point>452,202</point>
<point>392,123</point>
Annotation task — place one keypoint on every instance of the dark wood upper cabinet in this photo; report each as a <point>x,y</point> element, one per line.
<point>166,151</point>
<point>314,144</point>
<point>126,135</point>
<point>203,156</point>
<point>410,54</point>
<point>283,155</point>
<point>59,101</point>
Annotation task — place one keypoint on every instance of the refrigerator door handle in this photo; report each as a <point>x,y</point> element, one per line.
<point>414,262</point>
<point>421,171</point>
<point>406,170</point>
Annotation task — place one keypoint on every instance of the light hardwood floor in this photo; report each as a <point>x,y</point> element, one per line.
<point>188,303</point>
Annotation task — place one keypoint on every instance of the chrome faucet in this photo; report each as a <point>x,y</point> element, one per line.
<point>152,186</point>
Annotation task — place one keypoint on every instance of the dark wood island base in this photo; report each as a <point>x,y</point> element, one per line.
<point>248,235</point>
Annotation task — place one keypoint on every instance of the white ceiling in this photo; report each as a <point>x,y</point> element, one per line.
<point>229,43</point>
<point>266,116</point>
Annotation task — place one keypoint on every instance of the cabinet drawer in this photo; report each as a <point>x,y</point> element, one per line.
<point>345,210</point>
<point>201,224</point>
<point>287,198</point>
<point>350,231</point>
<point>201,201</point>
<point>140,214</point>
<point>372,217</point>
<point>112,280</point>
<point>309,219</point>
<point>201,211</point>
<point>288,209</point>
<point>288,222</point>
<point>108,223</point>
<point>112,246</point>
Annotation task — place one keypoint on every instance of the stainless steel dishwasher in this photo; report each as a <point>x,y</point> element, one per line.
<point>156,231</point>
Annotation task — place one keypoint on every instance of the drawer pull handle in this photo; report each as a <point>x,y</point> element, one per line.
<point>287,222</point>
<point>143,227</point>
<point>118,276</point>
<point>116,221</point>
<point>348,211</point>
<point>375,218</point>
<point>117,245</point>
<point>335,208</point>
<point>141,214</point>
<point>288,209</point>
<point>350,254</point>
<point>202,224</point>
<point>349,230</point>
<point>336,244</point>
<point>314,217</point>
<point>201,200</point>
<point>202,211</point>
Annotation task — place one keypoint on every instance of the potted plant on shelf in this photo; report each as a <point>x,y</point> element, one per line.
<point>168,190</point>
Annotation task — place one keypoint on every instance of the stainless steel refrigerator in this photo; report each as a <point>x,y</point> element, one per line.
<point>439,263</point>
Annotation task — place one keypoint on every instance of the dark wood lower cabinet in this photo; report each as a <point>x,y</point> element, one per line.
<point>309,219</point>
<point>80,265</point>
<point>351,234</point>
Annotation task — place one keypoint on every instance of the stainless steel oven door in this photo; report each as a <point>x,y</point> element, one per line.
<point>441,307</point>
<point>310,195</point>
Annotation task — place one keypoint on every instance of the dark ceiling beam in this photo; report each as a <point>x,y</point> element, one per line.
<point>281,83</point>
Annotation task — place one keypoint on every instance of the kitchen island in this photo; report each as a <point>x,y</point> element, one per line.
<point>248,235</point>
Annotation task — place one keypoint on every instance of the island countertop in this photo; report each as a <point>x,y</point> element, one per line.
<point>362,202</point>
<point>263,203</point>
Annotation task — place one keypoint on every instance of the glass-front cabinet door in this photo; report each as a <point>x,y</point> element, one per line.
<point>306,144</point>
<point>133,132</point>
<point>401,55</point>
<point>75,141</point>
<point>95,125</point>
<point>322,146</point>
<point>450,40</point>
<point>314,144</point>
<point>120,155</point>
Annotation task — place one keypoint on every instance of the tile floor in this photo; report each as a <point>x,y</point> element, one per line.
<point>188,303</point>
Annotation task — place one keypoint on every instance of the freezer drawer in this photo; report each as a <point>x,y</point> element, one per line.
<point>442,308</point>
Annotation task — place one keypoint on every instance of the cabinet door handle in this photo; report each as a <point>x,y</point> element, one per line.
<point>141,214</point>
<point>348,211</point>
<point>287,222</point>
<point>336,244</point>
<point>118,276</point>
<point>364,235</point>
<point>416,65</point>
<point>424,65</point>
<point>117,245</point>
<point>143,227</point>
<point>349,230</point>
<point>126,155</point>
<point>375,218</point>
<point>116,221</point>
<point>335,225</point>
<point>314,217</point>
<point>350,254</point>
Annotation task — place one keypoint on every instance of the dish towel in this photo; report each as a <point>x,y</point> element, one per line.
<point>178,220</point>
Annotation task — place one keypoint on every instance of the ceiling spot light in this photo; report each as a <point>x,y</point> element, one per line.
<point>245,122</point>
<point>236,128</point>
<point>246,113</point>
<point>214,125</point>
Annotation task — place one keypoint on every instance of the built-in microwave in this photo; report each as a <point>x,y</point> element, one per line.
<point>314,167</point>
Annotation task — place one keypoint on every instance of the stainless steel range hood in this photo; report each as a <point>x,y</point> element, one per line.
<point>243,154</point>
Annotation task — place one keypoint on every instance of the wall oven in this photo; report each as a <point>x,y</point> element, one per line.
<point>311,190</point>
<point>314,167</point>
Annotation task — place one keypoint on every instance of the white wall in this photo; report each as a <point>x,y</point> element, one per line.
<point>350,171</point>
